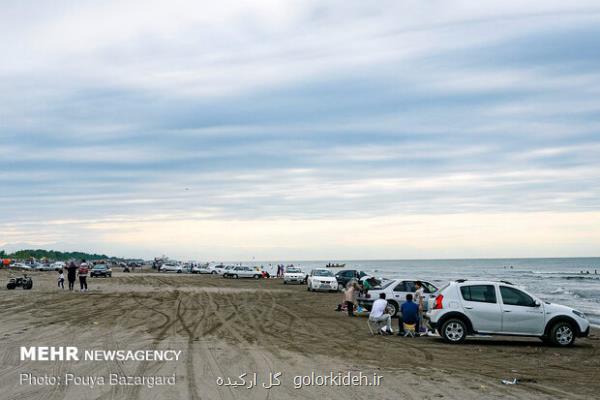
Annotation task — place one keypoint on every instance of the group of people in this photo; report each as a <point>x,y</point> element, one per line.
<point>281,269</point>
<point>74,271</point>
<point>411,320</point>
<point>412,311</point>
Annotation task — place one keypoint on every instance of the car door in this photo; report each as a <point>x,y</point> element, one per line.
<point>521,313</point>
<point>401,289</point>
<point>481,305</point>
<point>345,277</point>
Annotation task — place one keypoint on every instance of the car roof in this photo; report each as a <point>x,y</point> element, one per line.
<point>480,282</point>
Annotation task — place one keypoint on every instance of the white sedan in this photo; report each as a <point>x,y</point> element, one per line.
<point>242,272</point>
<point>293,274</point>
<point>221,269</point>
<point>322,279</point>
<point>178,268</point>
<point>201,269</point>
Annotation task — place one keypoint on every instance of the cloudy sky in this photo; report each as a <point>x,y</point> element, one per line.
<point>301,129</point>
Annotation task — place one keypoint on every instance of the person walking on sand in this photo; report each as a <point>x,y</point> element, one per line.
<point>350,296</point>
<point>61,279</point>
<point>71,274</point>
<point>83,272</point>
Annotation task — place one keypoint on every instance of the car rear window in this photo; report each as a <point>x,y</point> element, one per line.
<point>479,293</point>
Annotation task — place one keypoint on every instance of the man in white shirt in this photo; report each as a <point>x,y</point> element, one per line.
<point>378,314</point>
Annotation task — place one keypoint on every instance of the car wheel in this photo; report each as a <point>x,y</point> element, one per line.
<point>214,272</point>
<point>393,305</point>
<point>235,276</point>
<point>562,334</point>
<point>340,287</point>
<point>10,286</point>
<point>454,331</point>
<point>256,276</point>
<point>179,271</point>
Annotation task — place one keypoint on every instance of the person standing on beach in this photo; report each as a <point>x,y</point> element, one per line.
<point>71,273</point>
<point>420,301</point>
<point>61,279</point>
<point>350,296</point>
<point>83,272</point>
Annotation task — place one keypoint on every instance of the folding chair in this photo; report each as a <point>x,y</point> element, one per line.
<point>409,329</point>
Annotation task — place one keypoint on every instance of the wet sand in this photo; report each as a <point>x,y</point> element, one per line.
<point>229,327</point>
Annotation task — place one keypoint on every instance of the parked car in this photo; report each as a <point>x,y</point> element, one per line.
<point>22,266</point>
<point>346,275</point>
<point>43,267</point>
<point>395,292</point>
<point>58,265</point>
<point>101,270</point>
<point>221,269</point>
<point>178,268</point>
<point>242,272</point>
<point>293,275</point>
<point>321,279</point>
<point>201,269</point>
<point>466,307</point>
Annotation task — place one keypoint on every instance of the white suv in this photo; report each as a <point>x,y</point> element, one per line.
<point>171,268</point>
<point>465,307</point>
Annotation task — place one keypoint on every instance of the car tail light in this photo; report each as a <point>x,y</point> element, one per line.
<point>438,302</point>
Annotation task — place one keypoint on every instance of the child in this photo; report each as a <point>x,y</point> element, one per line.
<point>61,279</point>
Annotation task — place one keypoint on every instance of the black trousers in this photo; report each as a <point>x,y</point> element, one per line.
<point>71,283</point>
<point>83,282</point>
<point>61,283</point>
<point>350,308</point>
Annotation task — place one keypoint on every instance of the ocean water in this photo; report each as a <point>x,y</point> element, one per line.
<point>557,280</point>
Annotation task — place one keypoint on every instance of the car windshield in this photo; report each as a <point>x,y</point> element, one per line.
<point>322,272</point>
<point>100,267</point>
<point>294,270</point>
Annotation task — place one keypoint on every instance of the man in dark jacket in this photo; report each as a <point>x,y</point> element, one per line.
<point>410,314</point>
<point>71,274</point>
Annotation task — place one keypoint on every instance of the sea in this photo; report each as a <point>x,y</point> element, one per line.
<point>574,282</point>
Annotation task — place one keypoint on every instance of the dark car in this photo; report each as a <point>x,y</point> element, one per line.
<point>346,275</point>
<point>101,270</point>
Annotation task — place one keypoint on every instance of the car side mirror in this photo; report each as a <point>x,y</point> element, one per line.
<point>537,303</point>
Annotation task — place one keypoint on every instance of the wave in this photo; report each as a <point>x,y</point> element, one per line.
<point>587,293</point>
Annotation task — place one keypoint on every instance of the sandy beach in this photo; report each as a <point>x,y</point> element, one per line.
<point>226,328</point>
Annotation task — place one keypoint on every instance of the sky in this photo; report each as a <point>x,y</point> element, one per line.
<point>301,130</point>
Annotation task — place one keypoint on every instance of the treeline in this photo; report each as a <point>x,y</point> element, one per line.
<point>52,255</point>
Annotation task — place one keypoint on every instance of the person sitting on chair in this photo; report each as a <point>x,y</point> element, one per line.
<point>410,315</point>
<point>379,315</point>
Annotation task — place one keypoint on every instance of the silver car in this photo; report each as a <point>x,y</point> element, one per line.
<point>395,292</point>
<point>468,307</point>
